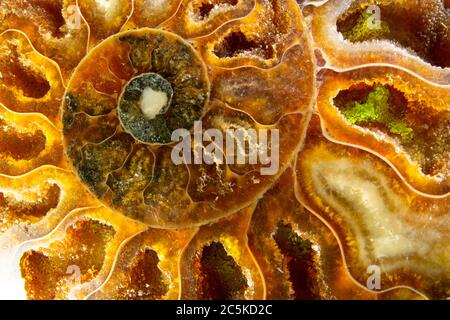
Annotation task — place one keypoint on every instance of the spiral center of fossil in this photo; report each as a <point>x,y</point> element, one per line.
<point>150,92</point>
<point>152,102</point>
<point>144,101</point>
<point>123,105</point>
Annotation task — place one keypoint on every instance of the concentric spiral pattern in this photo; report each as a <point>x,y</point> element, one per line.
<point>93,205</point>
<point>120,145</point>
<point>114,152</point>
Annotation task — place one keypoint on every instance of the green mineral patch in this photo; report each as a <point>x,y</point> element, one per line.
<point>417,26</point>
<point>377,109</point>
<point>422,131</point>
<point>367,28</point>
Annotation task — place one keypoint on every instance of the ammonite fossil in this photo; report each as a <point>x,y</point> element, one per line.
<point>118,181</point>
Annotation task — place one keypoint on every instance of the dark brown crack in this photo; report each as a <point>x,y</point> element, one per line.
<point>299,258</point>
<point>146,279</point>
<point>236,43</point>
<point>205,8</point>
<point>220,277</point>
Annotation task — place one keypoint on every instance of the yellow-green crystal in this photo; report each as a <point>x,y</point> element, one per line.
<point>363,30</point>
<point>377,109</point>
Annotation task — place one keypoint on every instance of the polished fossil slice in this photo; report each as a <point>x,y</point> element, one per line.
<point>119,142</point>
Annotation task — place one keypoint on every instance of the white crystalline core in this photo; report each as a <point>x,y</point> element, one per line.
<point>104,4</point>
<point>155,5</point>
<point>152,102</point>
<point>109,8</point>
